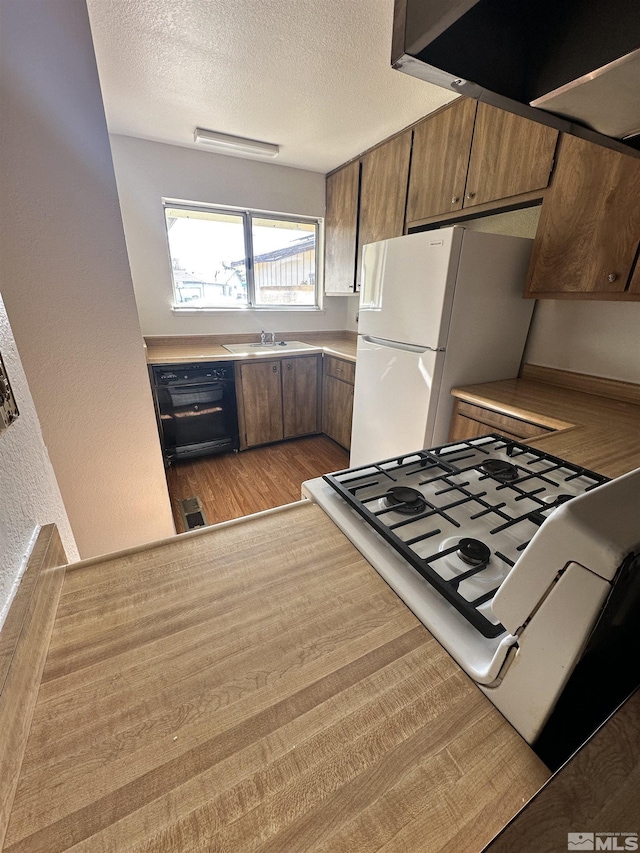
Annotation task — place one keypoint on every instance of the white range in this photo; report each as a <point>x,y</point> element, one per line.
<point>524,567</point>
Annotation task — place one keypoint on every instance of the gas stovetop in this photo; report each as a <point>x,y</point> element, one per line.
<point>461,514</point>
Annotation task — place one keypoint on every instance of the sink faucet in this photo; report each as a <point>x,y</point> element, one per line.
<point>264,335</point>
<point>263,338</point>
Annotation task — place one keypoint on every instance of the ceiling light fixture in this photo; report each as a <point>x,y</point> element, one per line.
<point>228,144</point>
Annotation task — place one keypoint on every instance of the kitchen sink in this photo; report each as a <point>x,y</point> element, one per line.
<point>262,349</point>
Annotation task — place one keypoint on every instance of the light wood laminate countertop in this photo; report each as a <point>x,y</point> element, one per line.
<point>256,686</point>
<point>595,431</point>
<point>168,350</point>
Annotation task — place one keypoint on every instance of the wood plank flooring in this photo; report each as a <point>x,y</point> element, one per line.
<point>235,484</point>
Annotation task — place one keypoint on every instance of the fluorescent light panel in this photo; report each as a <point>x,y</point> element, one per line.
<point>226,143</point>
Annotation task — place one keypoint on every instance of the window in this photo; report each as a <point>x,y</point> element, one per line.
<point>225,258</point>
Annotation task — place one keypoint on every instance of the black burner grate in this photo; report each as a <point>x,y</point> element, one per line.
<point>457,470</point>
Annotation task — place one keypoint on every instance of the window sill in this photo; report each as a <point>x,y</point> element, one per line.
<point>294,309</point>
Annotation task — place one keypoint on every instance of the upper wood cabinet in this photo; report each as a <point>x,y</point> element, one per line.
<point>465,156</point>
<point>439,162</point>
<point>383,191</point>
<point>510,155</point>
<point>589,229</point>
<point>365,203</point>
<point>341,229</point>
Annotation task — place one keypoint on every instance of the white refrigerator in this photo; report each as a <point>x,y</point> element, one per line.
<point>437,309</point>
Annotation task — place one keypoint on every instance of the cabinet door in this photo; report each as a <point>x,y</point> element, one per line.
<point>261,402</point>
<point>341,229</point>
<point>337,410</point>
<point>589,224</point>
<point>300,395</point>
<point>510,155</point>
<point>439,161</point>
<point>383,192</point>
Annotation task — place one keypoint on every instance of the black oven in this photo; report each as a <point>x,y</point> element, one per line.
<point>196,406</point>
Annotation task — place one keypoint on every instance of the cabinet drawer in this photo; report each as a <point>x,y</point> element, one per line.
<point>498,422</point>
<point>463,428</point>
<point>339,369</point>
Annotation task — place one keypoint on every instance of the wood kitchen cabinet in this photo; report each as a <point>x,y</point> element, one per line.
<point>383,192</point>
<point>259,391</point>
<point>301,392</point>
<point>337,399</point>
<point>277,399</point>
<point>440,159</point>
<point>341,229</point>
<point>471,421</point>
<point>469,155</point>
<point>510,156</point>
<point>589,230</point>
<point>365,203</point>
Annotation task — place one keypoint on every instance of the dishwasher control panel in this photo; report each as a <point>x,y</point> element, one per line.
<point>179,374</point>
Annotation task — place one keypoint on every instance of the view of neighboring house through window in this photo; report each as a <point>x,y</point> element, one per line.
<point>224,258</point>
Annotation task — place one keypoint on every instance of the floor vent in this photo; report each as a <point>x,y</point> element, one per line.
<point>192,513</point>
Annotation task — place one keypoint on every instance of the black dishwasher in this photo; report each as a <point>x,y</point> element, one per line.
<point>196,405</point>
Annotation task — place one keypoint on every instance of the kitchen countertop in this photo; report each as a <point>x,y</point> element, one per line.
<point>183,348</point>
<point>256,686</point>
<point>597,432</point>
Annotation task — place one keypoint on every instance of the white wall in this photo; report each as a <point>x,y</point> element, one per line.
<point>600,338</point>
<point>66,281</point>
<point>147,172</point>
<point>29,494</point>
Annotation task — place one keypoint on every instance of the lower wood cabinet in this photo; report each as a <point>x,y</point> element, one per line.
<point>259,388</point>
<point>277,399</point>
<point>280,398</point>
<point>301,395</point>
<point>470,421</point>
<point>337,399</point>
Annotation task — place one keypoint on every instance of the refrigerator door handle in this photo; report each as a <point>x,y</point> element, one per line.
<point>397,345</point>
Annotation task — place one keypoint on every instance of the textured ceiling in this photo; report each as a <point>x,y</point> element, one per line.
<point>313,76</point>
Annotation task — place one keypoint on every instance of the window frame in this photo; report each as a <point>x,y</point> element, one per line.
<point>248,215</point>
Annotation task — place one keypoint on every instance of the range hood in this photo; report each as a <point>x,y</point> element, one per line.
<point>570,64</point>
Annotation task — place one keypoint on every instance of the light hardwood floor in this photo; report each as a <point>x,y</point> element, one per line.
<point>236,484</point>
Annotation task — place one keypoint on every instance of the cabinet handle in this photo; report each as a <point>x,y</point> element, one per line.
<point>274,368</point>
<point>612,276</point>
<point>455,199</point>
<point>471,195</point>
<point>289,366</point>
